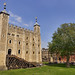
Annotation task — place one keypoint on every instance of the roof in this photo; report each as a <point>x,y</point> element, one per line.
<point>4,13</point>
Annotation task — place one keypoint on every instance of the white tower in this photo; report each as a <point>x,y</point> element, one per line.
<point>38,42</point>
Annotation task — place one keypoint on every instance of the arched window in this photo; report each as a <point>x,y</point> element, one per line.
<point>38,52</point>
<point>19,42</point>
<point>27,38</point>
<point>33,44</point>
<point>18,51</point>
<point>3,35</point>
<point>45,57</point>
<point>35,28</point>
<point>26,43</point>
<point>9,41</point>
<point>26,52</point>
<point>8,33</point>
<point>13,34</point>
<point>38,40</point>
<point>33,52</point>
<point>33,39</point>
<point>17,35</point>
<point>38,45</point>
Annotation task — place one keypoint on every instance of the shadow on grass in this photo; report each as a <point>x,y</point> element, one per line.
<point>59,65</point>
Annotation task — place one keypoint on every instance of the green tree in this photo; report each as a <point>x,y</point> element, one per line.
<point>63,41</point>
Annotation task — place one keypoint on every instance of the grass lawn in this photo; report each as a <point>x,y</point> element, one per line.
<point>59,69</point>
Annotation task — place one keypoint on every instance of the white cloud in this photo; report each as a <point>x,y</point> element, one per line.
<point>13,22</point>
<point>16,17</point>
<point>26,25</point>
<point>17,20</point>
<point>29,24</point>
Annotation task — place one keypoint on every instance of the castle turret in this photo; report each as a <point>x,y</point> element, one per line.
<point>38,42</point>
<point>36,27</point>
<point>4,17</point>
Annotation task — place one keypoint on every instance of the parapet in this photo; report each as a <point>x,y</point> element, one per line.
<point>11,26</point>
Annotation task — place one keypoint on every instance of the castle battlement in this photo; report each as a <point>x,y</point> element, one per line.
<point>11,26</point>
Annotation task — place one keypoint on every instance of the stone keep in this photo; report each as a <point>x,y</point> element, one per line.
<point>18,41</point>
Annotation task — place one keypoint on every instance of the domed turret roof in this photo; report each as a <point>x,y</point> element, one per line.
<point>4,11</point>
<point>36,24</point>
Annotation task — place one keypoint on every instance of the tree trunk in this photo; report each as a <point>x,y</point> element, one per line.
<point>68,64</point>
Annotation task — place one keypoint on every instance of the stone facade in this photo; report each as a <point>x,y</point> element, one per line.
<point>18,41</point>
<point>47,56</point>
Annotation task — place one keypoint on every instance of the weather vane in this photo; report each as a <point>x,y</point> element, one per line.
<point>4,6</point>
<point>36,19</point>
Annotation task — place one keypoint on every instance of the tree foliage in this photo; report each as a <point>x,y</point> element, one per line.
<point>63,41</point>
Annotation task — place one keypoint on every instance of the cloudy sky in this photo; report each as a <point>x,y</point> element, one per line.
<point>51,14</point>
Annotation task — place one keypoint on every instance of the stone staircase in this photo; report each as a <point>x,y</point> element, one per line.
<point>14,62</point>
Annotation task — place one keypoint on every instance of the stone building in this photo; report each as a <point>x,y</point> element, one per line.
<point>45,55</point>
<point>18,41</point>
<point>48,57</point>
<point>53,58</point>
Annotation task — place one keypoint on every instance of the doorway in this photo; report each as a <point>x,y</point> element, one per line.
<point>9,51</point>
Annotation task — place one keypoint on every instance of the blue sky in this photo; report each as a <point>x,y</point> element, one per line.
<point>51,14</point>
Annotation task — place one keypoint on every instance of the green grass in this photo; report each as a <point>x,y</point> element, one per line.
<point>45,62</point>
<point>59,69</point>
